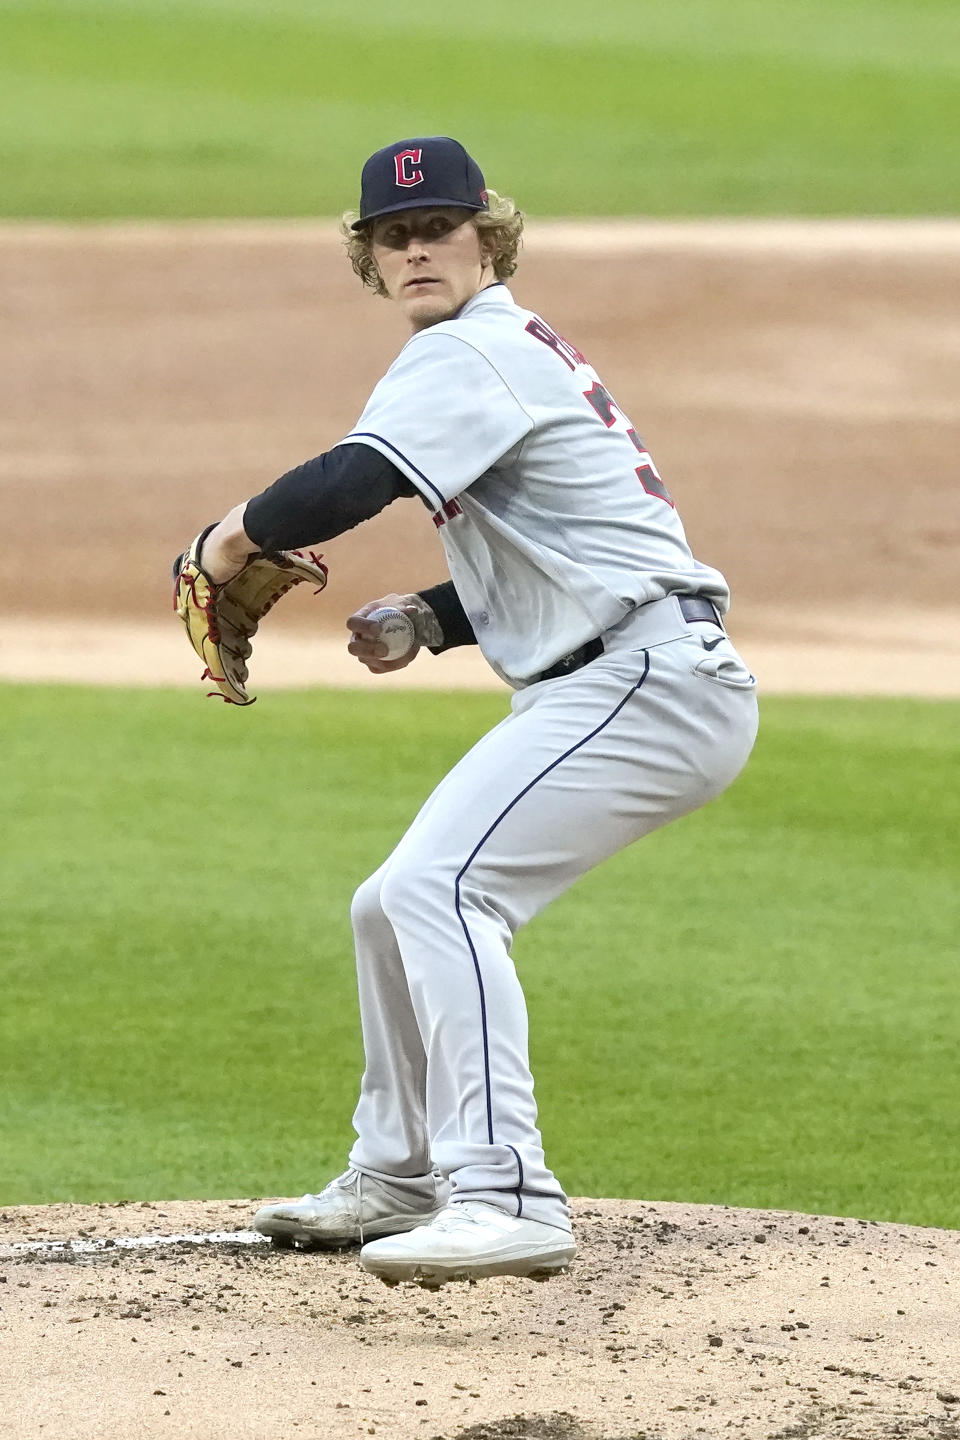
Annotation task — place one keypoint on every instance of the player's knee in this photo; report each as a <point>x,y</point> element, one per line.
<point>415,887</point>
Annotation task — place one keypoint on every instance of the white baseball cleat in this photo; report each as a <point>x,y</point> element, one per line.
<point>469,1240</point>
<point>351,1209</point>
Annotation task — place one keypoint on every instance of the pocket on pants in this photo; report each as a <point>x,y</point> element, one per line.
<point>723,666</point>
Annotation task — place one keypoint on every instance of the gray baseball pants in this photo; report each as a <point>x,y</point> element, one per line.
<point>582,767</point>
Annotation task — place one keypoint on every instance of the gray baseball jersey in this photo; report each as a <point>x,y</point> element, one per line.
<point>554,519</point>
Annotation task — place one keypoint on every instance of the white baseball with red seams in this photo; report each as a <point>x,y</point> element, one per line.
<point>396,631</point>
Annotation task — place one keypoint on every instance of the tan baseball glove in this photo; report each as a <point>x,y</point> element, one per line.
<point>221,620</point>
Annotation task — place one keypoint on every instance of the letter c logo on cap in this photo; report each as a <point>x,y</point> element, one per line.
<point>406,163</point>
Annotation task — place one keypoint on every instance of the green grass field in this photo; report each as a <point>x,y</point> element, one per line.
<point>756,1006</point>
<point>240,108</point>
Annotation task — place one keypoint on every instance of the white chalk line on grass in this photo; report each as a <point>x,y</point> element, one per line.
<point>67,1248</point>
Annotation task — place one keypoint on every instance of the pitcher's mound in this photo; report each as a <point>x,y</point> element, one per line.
<point>675,1321</point>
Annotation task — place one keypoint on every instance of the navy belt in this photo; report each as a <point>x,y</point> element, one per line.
<point>692,608</point>
<point>697,607</point>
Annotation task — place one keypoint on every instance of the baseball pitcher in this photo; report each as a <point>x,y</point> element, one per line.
<point>569,568</point>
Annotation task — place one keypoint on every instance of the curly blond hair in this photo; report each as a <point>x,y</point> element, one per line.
<point>500,229</point>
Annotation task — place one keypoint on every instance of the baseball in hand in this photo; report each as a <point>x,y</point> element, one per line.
<point>396,631</point>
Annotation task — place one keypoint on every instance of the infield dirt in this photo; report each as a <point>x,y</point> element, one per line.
<point>799,388</point>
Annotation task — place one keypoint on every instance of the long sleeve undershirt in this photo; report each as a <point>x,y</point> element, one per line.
<point>331,494</point>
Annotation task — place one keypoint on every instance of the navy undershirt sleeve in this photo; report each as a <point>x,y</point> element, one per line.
<point>454,622</point>
<point>331,494</point>
<point>324,497</point>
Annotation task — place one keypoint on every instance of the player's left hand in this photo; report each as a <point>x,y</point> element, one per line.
<point>227,548</point>
<point>222,617</point>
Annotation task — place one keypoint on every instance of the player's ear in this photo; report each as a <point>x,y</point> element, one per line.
<point>488,247</point>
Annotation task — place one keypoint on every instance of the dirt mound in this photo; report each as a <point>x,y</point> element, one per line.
<point>675,1321</point>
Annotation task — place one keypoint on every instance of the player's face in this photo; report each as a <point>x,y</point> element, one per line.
<point>431,262</point>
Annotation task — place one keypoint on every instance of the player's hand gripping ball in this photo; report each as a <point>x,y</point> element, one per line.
<point>397,631</point>
<point>386,634</point>
<point>221,620</point>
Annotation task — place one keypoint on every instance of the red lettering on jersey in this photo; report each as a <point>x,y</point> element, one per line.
<point>568,353</point>
<point>653,485</point>
<point>598,397</point>
<point>406,162</point>
<point>450,510</point>
<point>647,472</point>
<point>603,402</point>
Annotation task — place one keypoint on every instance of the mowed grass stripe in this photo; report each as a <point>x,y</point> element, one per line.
<point>898,34</point>
<point>755,1006</point>
<point>160,110</point>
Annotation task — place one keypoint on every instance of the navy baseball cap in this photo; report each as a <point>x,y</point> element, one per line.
<point>414,174</point>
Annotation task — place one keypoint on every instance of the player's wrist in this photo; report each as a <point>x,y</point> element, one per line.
<point>426,627</point>
<point>227,548</point>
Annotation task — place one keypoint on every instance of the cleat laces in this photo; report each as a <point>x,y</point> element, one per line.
<point>449,1219</point>
<point>350,1180</point>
